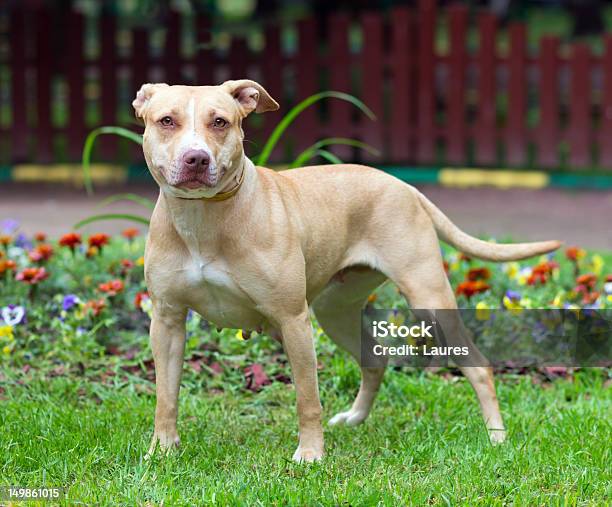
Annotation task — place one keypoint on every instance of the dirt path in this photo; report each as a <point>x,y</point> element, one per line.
<point>576,217</point>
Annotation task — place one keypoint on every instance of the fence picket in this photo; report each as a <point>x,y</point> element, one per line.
<point>456,133</point>
<point>579,131</point>
<point>44,75</point>
<point>401,100</point>
<point>605,135</point>
<point>339,80</point>
<point>19,129</point>
<point>74,67</point>
<point>548,126</point>
<point>426,83</point>
<point>372,76</point>
<point>486,130</point>
<point>108,85</point>
<point>305,130</point>
<point>516,145</point>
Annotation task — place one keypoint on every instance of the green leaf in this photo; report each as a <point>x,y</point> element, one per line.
<point>329,156</point>
<point>88,148</point>
<point>309,152</point>
<point>112,216</point>
<point>288,119</point>
<point>143,201</point>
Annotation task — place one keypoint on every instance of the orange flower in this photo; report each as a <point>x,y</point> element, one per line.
<point>40,237</point>
<point>32,276</point>
<point>446,267</point>
<point>463,257</point>
<point>41,253</point>
<point>92,251</point>
<point>478,274</point>
<point>589,298</point>
<point>573,253</point>
<point>71,240</point>
<point>469,288</point>
<point>130,233</point>
<point>95,306</point>
<point>111,288</point>
<point>588,280</point>
<point>608,278</point>
<point>537,277</point>
<point>127,263</point>
<point>139,298</point>
<point>98,240</point>
<point>545,267</point>
<point>7,265</point>
<point>5,240</point>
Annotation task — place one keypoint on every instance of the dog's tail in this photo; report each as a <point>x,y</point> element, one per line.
<point>485,250</point>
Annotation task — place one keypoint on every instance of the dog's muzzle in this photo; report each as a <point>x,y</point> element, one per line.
<point>196,169</point>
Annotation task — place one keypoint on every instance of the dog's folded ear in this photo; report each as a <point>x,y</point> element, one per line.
<point>251,96</point>
<point>143,96</point>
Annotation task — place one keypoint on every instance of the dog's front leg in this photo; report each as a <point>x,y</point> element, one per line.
<point>168,344</point>
<point>299,345</point>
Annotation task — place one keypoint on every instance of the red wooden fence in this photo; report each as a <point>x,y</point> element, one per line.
<point>543,107</point>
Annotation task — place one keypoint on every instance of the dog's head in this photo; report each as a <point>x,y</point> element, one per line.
<point>193,134</point>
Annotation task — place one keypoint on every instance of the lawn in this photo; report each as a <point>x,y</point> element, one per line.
<point>423,444</point>
<point>77,396</point>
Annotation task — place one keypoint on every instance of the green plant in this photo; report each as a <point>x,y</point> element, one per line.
<point>309,153</point>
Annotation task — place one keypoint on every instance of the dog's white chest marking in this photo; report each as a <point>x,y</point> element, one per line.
<point>210,273</point>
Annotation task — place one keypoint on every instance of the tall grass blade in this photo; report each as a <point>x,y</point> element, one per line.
<point>329,156</point>
<point>112,216</point>
<point>89,144</point>
<point>309,152</point>
<point>138,199</point>
<point>288,119</point>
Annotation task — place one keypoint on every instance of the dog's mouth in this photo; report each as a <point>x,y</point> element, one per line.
<point>194,180</point>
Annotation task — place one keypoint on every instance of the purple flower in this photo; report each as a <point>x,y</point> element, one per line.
<point>69,301</point>
<point>513,295</point>
<point>9,226</point>
<point>22,241</point>
<point>13,315</point>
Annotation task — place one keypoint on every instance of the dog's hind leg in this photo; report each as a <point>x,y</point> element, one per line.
<point>338,310</point>
<point>423,282</point>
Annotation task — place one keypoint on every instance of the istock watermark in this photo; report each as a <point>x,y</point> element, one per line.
<point>471,337</point>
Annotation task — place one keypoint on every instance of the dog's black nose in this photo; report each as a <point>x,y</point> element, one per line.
<point>196,159</point>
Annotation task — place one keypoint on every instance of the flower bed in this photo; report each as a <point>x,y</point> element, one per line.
<point>81,299</point>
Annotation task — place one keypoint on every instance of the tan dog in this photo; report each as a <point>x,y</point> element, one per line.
<point>250,248</point>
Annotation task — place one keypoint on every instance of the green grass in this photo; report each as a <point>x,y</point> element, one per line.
<point>424,443</point>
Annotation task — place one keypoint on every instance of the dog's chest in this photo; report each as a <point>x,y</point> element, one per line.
<point>213,292</point>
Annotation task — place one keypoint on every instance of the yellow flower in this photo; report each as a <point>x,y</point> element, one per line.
<point>454,266</point>
<point>6,332</point>
<point>511,269</point>
<point>396,318</point>
<point>512,305</point>
<point>558,301</point>
<point>597,264</point>
<point>140,261</point>
<point>6,350</point>
<point>482,311</point>
<point>239,334</point>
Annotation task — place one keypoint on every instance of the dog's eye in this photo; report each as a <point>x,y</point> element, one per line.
<point>219,123</point>
<point>166,121</point>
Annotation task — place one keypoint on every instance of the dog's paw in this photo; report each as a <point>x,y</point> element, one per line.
<point>307,455</point>
<point>163,444</point>
<point>497,436</point>
<point>350,418</point>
